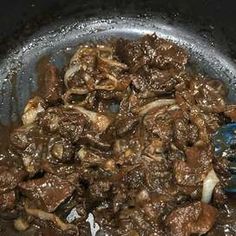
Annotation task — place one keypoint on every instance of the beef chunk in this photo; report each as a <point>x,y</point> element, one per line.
<point>151,51</point>
<point>153,175</point>
<point>193,171</point>
<point>100,189</point>
<point>185,175</point>
<point>135,178</point>
<point>47,192</point>
<point>50,83</point>
<point>67,122</point>
<point>209,95</point>
<point>160,124</point>
<point>182,133</point>
<point>135,222</point>
<point>155,64</point>
<point>7,200</point>
<point>158,176</point>
<point>126,125</point>
<point>9,178</point>
<point>219,196</point>
<point>196,218</point>
<point>154,82</point>
<point>64,171</point>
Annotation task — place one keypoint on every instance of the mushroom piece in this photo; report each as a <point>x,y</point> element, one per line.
<point>32,109</point>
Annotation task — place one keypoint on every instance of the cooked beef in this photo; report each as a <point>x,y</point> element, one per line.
<point>196,218</point>
<point>152,51</point>
<point>135,222</point>
<point>7,200</point>
<point>193,171</point>
<point>9,178</point>
<point>210,96</point>
<point>100,189</point>
<point>127,139</point>
<point>154,82</point>
<point>47,192</point>
<point>67,122</point>
<point>50,83</point>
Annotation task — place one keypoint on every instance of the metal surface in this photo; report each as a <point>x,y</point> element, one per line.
<point>58,41</point>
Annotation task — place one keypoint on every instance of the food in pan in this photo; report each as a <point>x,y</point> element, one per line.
<point>124,134</point>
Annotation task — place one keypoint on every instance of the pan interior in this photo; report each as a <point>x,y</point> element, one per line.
<point>18,79</point>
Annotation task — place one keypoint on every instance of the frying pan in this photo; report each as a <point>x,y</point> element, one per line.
<point>32,29</point>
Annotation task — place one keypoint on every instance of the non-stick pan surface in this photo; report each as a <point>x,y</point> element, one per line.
<point>59,39</point>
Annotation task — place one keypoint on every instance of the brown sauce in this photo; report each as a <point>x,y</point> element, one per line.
<point>124,134</point>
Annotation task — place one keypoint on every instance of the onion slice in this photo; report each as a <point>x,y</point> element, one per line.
<point>156,104</point>
<point>101,121</point>
<point>108,87</point>
<point>49,216</point>
<point>209,184</point>
<point>70,73</point>
<point>114,63</point>
<point>73,91</point>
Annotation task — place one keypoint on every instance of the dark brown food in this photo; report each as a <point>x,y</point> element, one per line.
<point>126,138</point>
<point>7,200</point>
<point>197,218</point>
<point>9,178</point>
<point>51,85</point>
<point>47,192</point>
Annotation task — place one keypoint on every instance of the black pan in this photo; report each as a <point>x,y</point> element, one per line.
<point>31,29</point>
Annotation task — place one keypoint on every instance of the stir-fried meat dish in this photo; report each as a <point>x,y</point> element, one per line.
<point>123,134</point>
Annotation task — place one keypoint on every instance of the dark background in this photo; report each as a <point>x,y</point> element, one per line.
<point>21,18</point>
